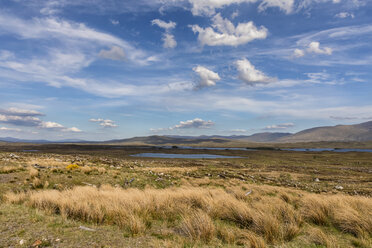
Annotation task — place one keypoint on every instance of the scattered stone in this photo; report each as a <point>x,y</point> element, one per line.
<point>58,240</point>
<point>37,243</point>
<point>339,187</point>
<point>86,229</point>
<point>316,180</point>
<point>22,241</point>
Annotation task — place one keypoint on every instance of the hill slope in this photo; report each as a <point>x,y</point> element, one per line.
<point>357,132</point>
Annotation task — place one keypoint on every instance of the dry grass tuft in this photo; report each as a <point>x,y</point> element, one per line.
<point>15,198</point>
<point>101,170</point>
<point>198,226</point>
<point>256,220</point>
<point>318,237</point>
<point>37,183</point>
<point>8,169</point>
<point>86,169</point>
<point>33,172</point>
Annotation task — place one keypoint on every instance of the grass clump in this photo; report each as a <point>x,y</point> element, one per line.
<point>198,225</point>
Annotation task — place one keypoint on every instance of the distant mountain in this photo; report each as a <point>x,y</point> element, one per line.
<point>163,140</point>
<point>257,137</point>
<point>266,137</point>
<point>357,132</point>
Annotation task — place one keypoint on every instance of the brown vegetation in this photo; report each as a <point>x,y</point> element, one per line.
<point>269,213</point>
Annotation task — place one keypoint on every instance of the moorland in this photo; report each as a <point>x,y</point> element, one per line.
<point>76,195</point>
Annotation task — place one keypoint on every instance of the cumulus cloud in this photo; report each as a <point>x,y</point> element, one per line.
<point>207,77</point>
<point>314,47</point>
<point>30,118</point>
<point>224,33</point>
<point>50,124</point>
<point>168,39</point>
<point>115,53</point>
<point>249,74</point>
<point>298,53</point>
<point>208,7</point>
<point>195,123</point>
<point>165,25</point>
<point>104,123</point>
<point>279,126</point>
<point>343,15</point>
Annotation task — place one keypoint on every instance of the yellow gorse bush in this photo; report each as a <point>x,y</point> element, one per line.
<point>72,166</point>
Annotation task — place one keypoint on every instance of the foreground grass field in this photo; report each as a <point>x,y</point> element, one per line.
<point>101,197</point>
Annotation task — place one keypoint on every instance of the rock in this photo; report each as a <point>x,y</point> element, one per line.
<point>37,243</point>
<point>339,187</point>
<point>22,241</point>
<point>248,193</point>
<point>316,180</point>
<point>87,228</point>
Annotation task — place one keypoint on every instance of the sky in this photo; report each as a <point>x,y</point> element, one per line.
<point>110,69</point>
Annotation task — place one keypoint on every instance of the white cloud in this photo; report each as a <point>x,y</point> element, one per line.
<point>238,130</point>
<point>29,118</point>
<point>280,126</point>
<point>165,25</point>
<point>169,41</point>
<point>115,53</point>
<point>249,74</point>
<point>207,77</point>
<point>195,123</point>
<point>298,53</point>
<point>72,129</point>
<point>10,129</point>
<point>104,123</point>
<point>224,33</point>
<point>285,5</point>
<point>343,15</point>
<point>314,47</point>
<point>208,7</point>
<point>76,36</point>
<point>114,22</point>
<point>235,14</point>
<point>50,124</point>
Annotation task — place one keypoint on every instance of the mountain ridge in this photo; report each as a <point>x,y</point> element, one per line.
<point>343,133</point>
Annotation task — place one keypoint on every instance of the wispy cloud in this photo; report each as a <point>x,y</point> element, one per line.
<point>279,126</point>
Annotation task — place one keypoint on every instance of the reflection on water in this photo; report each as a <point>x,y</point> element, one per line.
<point>170,155</point>
<point>327,150</point>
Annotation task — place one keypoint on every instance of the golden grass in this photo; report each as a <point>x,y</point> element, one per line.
<point>268,215</point>
<point>47,162</point>
<point>9,169</point>
<point>318,237</point>
<point>198,225</point>
<point>33,172</point>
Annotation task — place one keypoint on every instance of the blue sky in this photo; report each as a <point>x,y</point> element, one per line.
<point>110,69</point>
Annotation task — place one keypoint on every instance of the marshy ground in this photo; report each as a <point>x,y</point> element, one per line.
<point>100,196</point>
